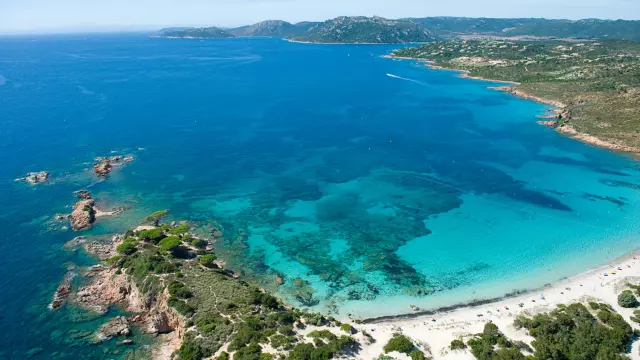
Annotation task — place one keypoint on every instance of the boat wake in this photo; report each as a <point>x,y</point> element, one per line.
<point>402,78</point>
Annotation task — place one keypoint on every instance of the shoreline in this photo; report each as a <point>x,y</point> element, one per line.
<point>345,43</point>
<point>564,129</point>
<point>516,295</point>
<point>439,327</point>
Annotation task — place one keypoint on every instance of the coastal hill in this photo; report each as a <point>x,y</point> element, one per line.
<point>360,29</point>
<point>594,85</point>
<point>582,29</point>
<point>272,28</point>
<point>208,32</point>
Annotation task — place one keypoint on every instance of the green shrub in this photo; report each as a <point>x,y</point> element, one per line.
<point>266,356</point>
<point>170,244</point>
<point>483,346</point>
<point>399,343</point>
<point>190,350</point>
<point>417,355</point>
<point>323,334</point>
<point>181,307</point>
<point>282,342</point>
<point>636,316</point>
<point>594,305</point>
<point>572,332</point>
<point>153,235</point>
<point>457,344</point>
<point>198,243</point>
<point>113,259</point>
<point>348,329</point>
<point>179,290</point>
<point>286,330</point>
<point>155,217</point>
<point>207,260</point>
<point>180,229</point>
<point>127,247</point>
<point>249,352</point>
<point>626,299</point>
<point>223,356</point>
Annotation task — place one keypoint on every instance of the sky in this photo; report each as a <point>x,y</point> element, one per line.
<point>18,16</point>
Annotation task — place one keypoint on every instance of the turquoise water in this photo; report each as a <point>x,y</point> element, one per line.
<point>368,184</point>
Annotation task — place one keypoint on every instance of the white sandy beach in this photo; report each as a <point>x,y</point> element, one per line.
<point>435,332</point>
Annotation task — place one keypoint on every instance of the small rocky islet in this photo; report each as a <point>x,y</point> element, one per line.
<point>35,178</point>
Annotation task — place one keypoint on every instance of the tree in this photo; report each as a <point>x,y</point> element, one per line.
<point>127,247</point>
<point>170,243</point>
<point>626,299</point>
<point>153,235</point>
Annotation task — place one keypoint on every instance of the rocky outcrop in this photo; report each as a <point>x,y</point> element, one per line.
<point>593,140</point>
<point>549,123</point>
<point>34,178</point>
<point>104,165</point>
<point>83,215</point>
<point>62,292</point>
<point>85,211</point>
<point>519,93</point>
<point>109,288</point>
<point>117,326</point>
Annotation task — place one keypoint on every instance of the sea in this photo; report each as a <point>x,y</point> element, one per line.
<point>367,184</point>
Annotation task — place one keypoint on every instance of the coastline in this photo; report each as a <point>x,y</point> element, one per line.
<point>439,327</point>
<point>564,129</point>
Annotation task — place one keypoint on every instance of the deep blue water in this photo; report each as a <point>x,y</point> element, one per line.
<point>378,183</point>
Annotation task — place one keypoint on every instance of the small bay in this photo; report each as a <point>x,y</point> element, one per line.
<point>367,184</point>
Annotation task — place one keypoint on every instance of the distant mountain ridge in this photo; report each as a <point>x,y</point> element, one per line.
<point>360,29</point>
<point>272,28</point>
<point>208,32</point>
<point>584,29</point>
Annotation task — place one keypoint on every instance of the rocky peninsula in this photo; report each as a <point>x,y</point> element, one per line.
<point>177,289</point>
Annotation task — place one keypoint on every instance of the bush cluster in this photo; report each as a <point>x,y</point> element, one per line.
<point>399,343</point>
<point>626,299</point>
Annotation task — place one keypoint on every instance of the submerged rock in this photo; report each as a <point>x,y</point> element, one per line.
<point>117,326</point>
<point>61,295</point>
<point>34,178</point>
<point>83,194</point>
<point>62,292</point>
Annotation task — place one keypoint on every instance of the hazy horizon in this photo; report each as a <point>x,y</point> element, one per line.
<point>42,16</point>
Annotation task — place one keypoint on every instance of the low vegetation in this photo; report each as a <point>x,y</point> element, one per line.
<point>491,344</point>
<point>399,343</point>
<point>219,309</point>
<point>573,332</point>
<point>457,344</point>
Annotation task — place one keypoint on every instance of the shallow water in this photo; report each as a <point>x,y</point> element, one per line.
<point>367,183</point>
